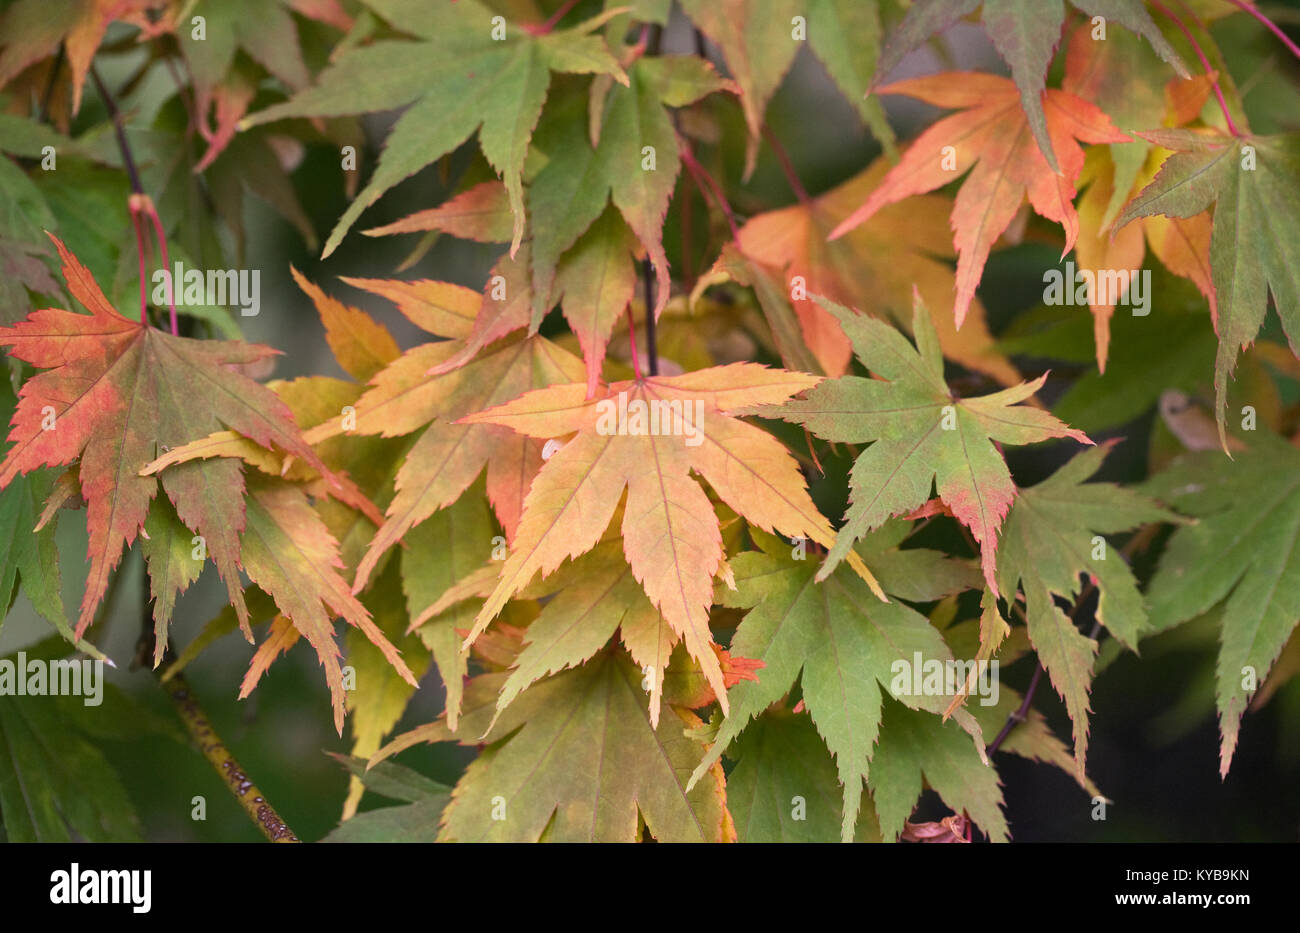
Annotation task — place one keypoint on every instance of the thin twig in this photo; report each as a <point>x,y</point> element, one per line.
<point>1020,713</point>
<point>139,204</point>
<point>707,185</point>
<point>119,127</point>
<point>651,348</point>
<point>252,800</point>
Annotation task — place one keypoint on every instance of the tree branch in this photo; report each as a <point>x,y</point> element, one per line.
<point>252,800</point>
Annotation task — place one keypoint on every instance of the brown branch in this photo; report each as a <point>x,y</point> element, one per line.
<point>252,800</point>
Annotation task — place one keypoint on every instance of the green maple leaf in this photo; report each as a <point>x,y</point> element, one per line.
<point>784,787</point>
<point>454,79</point>
<point>841,638</point>
<point>1254,184</point>
<point>575,758</point>
<point>845,35</point>
<point>415,821</point>
<point>55,783</point>
<point>31,556</point>
<point>915,746</point>
<point>1243,552</point>
<point>922,432</point>
<point>1052,536</point>
<point>579,176</point>
<point>1025,33</point>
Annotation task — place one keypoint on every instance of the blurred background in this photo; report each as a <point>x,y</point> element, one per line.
<point>1154,749</point>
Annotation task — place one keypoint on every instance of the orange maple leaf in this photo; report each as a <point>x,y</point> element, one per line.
<point>671,535</point>
<point>991,139</point>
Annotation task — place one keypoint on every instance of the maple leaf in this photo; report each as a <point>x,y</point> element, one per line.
<point>1123,78</point>
<point>289,553</point>
<point>840,642</point>
<point>1242,555</point>
<point>419,392</point>
<point>414,821</point>
<point>56,784</point>
<point>381,692</point>
<point>28,552</point>
<point>923,434</point>
<point>1052,536</point>
<point>33,29</point>
<point>456,78</point>
<point>1025,33</point>
<point>759,49</point>
<point>591,598</point>
<point>779,758</point>
<point>874,267</point>
<point>115,393</point>
<point>671,535</point>
<point>760,38</point>
<point>916,746</point>
<point>585,168</point>
<point>991,135</point>
<point>576,759</point>
<point>1253,182</point>
<point>594,596</point>
<point>235,34</point>
<point>480,213</point>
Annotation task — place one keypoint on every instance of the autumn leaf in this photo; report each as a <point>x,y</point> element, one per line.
<point>1053,535</point>
<point>671,535</point>
<point>1253,182</point>
<point>874,267</point>
<point>990,138</point>
<point>382,691</point>
<point>839,642</point>
<point>289,553</point>
<point>222,39</point>
<point>455,78</point>
<point>115,394</point>
<point>33,29</point>
<point>417,392</point>
<point>575,758</point>
<point>1124,79</point>
<point>923,434</point>
<point>1025,33</point>
<point>596,280</point>
<point>1242,554</point>
<point>480,213</point>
